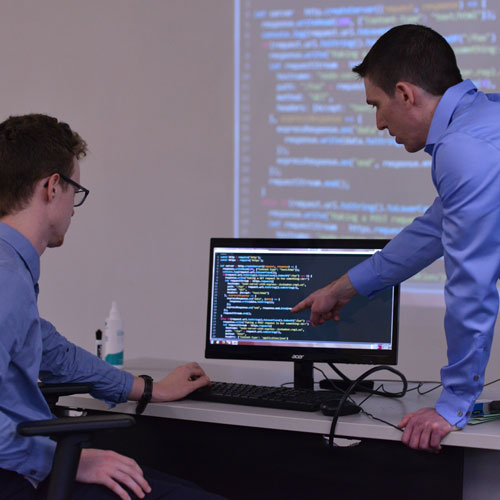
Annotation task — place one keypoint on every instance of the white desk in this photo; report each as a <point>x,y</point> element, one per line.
<point>481,442</point>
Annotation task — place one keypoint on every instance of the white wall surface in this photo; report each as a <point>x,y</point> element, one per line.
<point>149,85</point>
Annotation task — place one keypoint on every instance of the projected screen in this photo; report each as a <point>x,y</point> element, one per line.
<point>309,160</point>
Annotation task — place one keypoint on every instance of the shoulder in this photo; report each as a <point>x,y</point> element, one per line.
<point>478,119</point>
<point>459,149</point>
<point>466,166</point>
<point>16,285</point>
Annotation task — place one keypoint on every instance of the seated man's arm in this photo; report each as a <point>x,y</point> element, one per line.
<point>176,385</point>
<point>63,361</point>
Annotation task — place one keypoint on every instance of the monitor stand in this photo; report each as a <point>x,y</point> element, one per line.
<point>303,378</point>
<point>303,375</point>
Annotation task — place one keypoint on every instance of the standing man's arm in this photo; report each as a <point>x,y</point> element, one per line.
<point>467,176</point>
<point>414,248</point>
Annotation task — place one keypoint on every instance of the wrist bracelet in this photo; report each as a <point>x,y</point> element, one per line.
<point>146,395</point>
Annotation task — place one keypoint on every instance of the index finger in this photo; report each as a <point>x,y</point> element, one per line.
<point>302,305</point>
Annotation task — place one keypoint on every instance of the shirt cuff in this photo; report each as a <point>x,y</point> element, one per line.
<point>364,279</point>
<point>126,387</point>
<point>455,409</point>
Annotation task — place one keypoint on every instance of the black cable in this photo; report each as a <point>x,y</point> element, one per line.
<point>384,393</point>
<point>369,396</point>
<point>492,382</point>
<point>344,377</point>
<point>429,390</point>
<point>380,419</point>
<point>334,387</point>
<point>353,385</point>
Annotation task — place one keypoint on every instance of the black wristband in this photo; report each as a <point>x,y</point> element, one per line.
<point>146,395</point>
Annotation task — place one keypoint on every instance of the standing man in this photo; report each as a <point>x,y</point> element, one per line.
<point>39,188</point>
<point>412,80</point>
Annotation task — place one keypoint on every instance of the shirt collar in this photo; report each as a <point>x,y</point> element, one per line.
<point>24,248</point>
<point>444,111</point>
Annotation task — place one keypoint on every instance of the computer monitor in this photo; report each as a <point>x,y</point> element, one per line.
<point>253,284</point>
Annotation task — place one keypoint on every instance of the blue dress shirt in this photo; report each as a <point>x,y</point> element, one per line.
<point>463,225</point>
<point>31,348</point>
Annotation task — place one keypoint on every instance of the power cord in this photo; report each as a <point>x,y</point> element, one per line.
<point>384,393</point>
<point>420,384</point>
<point>355,383</point>
<point>334,387</point>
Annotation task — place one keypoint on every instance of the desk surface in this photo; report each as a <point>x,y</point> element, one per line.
<point>485,436</point>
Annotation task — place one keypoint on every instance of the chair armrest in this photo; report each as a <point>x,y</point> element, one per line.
<point>69,425</point>
<point>52,392</point>
<point>64,389</point>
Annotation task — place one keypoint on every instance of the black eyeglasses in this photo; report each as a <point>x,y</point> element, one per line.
<point>81,193</point>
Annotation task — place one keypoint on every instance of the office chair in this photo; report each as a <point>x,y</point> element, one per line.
<point>70,433</point>
<point>52,393</point>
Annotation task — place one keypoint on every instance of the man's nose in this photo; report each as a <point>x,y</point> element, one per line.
<point>381,124</point>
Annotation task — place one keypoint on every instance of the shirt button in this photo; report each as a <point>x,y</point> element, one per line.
<point>467,414</point>
<point>476,378</point>
<point>460,413</point>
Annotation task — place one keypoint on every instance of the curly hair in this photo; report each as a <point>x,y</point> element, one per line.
<point>32,147</point>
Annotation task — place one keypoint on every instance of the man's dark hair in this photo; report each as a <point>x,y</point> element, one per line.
<point>411,53</point>
<point>33,147</point>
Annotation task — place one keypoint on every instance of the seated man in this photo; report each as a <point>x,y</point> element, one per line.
<point>39,188</point>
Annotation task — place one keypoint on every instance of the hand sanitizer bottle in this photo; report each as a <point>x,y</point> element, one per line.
<point>113,338</point>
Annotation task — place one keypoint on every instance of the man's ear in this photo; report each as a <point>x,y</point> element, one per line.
<point>51,185</point>
<point>406,93</point>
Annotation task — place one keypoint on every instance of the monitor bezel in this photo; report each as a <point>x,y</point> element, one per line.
<point>314,354</point>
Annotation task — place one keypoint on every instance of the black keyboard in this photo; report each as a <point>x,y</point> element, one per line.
<point>271,397</point>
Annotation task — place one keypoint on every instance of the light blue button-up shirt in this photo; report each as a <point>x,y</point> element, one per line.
<point>463,225</point>
<point>31,348</point>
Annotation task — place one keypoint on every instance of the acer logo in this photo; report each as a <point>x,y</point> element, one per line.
<point>297,356</point>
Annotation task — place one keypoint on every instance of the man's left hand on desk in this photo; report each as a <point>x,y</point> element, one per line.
<point>424,429</point>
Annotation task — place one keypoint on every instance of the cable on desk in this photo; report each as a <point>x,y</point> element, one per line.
<point>353,385</point>
<point>429,390</point>
<point>380,420</point>
<point>492,382</point>
<point>332,384</point>
<point>370,395</point>
<point>384,393</point>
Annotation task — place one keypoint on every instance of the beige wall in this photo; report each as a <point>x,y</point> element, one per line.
<point>149,85</point>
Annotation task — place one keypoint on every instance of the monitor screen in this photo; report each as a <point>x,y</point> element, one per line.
<point>254,283</point>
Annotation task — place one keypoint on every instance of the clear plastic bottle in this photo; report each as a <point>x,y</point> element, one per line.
<point>113,337</point>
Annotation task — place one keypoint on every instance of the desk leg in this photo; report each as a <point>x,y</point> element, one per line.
<point>481,474</point>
